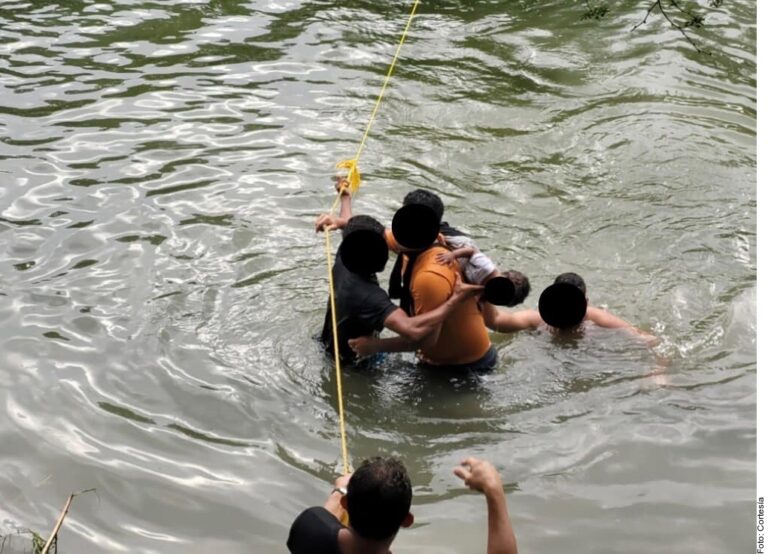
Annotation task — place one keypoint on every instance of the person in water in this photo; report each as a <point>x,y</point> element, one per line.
<point>476,267</point>
<point>377,497</point>
<point>563,308</point>
<point>423,283</point>
<point>362,307</point>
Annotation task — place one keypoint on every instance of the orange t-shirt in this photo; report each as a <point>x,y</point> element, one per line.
<point>463,337</point>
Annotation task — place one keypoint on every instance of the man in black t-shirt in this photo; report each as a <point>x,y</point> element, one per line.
<point>363,308</point>
<point>378,497</point>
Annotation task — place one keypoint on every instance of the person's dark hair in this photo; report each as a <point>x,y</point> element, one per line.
<point>572,279</point>
<point>362,223</point>
<point>522,286</point>
<point>363,250</point>
<point>378,498</point>
<point>425,198</point>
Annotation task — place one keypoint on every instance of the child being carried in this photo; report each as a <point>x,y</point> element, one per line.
<point>476,267</point>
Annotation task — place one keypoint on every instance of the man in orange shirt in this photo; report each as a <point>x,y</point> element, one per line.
<point>423,283</point>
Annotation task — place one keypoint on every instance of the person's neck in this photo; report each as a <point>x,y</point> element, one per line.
<point>352,543</point>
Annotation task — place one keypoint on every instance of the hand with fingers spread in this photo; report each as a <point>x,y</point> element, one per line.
<point>462,290</point>
<point>445,258</point>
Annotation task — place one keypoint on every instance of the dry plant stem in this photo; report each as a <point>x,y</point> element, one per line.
<point>60,521</point>
<point>55,531</point>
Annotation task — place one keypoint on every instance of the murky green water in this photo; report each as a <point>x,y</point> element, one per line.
<point>160,283</point>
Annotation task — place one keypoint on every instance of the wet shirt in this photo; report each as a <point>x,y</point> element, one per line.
<point>463,337</point>
<point>362,306</point>
<point>315,531</point>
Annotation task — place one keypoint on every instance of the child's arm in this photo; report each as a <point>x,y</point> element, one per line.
<point>447,257</point>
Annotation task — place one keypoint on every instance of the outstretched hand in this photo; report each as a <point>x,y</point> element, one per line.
<point>479,475</point>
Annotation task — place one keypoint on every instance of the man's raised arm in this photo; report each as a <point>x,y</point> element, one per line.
<point>604,318</point>
<point>345,212</point>
<point>481,476</point>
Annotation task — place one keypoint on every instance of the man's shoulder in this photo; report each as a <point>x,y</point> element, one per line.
<point>315,530</point>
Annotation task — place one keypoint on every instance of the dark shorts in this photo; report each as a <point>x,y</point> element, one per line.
<point>486,363</point>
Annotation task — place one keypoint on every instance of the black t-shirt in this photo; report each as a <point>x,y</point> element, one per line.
<point>315,531</point>
<point>361,308</point>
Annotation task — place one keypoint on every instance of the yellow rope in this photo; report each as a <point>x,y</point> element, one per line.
<point>353,178</point>
<point>354,175</point>
<point>344,456</point>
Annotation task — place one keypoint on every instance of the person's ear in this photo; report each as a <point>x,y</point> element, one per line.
<point>343,502</point>
<point>408,521</point>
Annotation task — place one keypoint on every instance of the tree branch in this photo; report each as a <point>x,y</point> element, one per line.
<point>678,27</point>
<point>645,19</point>
<point>693,21</point>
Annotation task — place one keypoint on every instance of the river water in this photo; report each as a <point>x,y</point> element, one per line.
<point>161,285</point>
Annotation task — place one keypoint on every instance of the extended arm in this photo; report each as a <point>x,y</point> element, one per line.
<point>345,212</point>
<point>414,332</point>
<point>418,327</point>
<point>367,346</point>
<point>604,318</point>
<point>481,476</point>
<point>451,255</point>
<point>504,321</point>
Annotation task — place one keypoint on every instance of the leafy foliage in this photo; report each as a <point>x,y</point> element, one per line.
<point>596,12</point>
<point>695,21</point>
